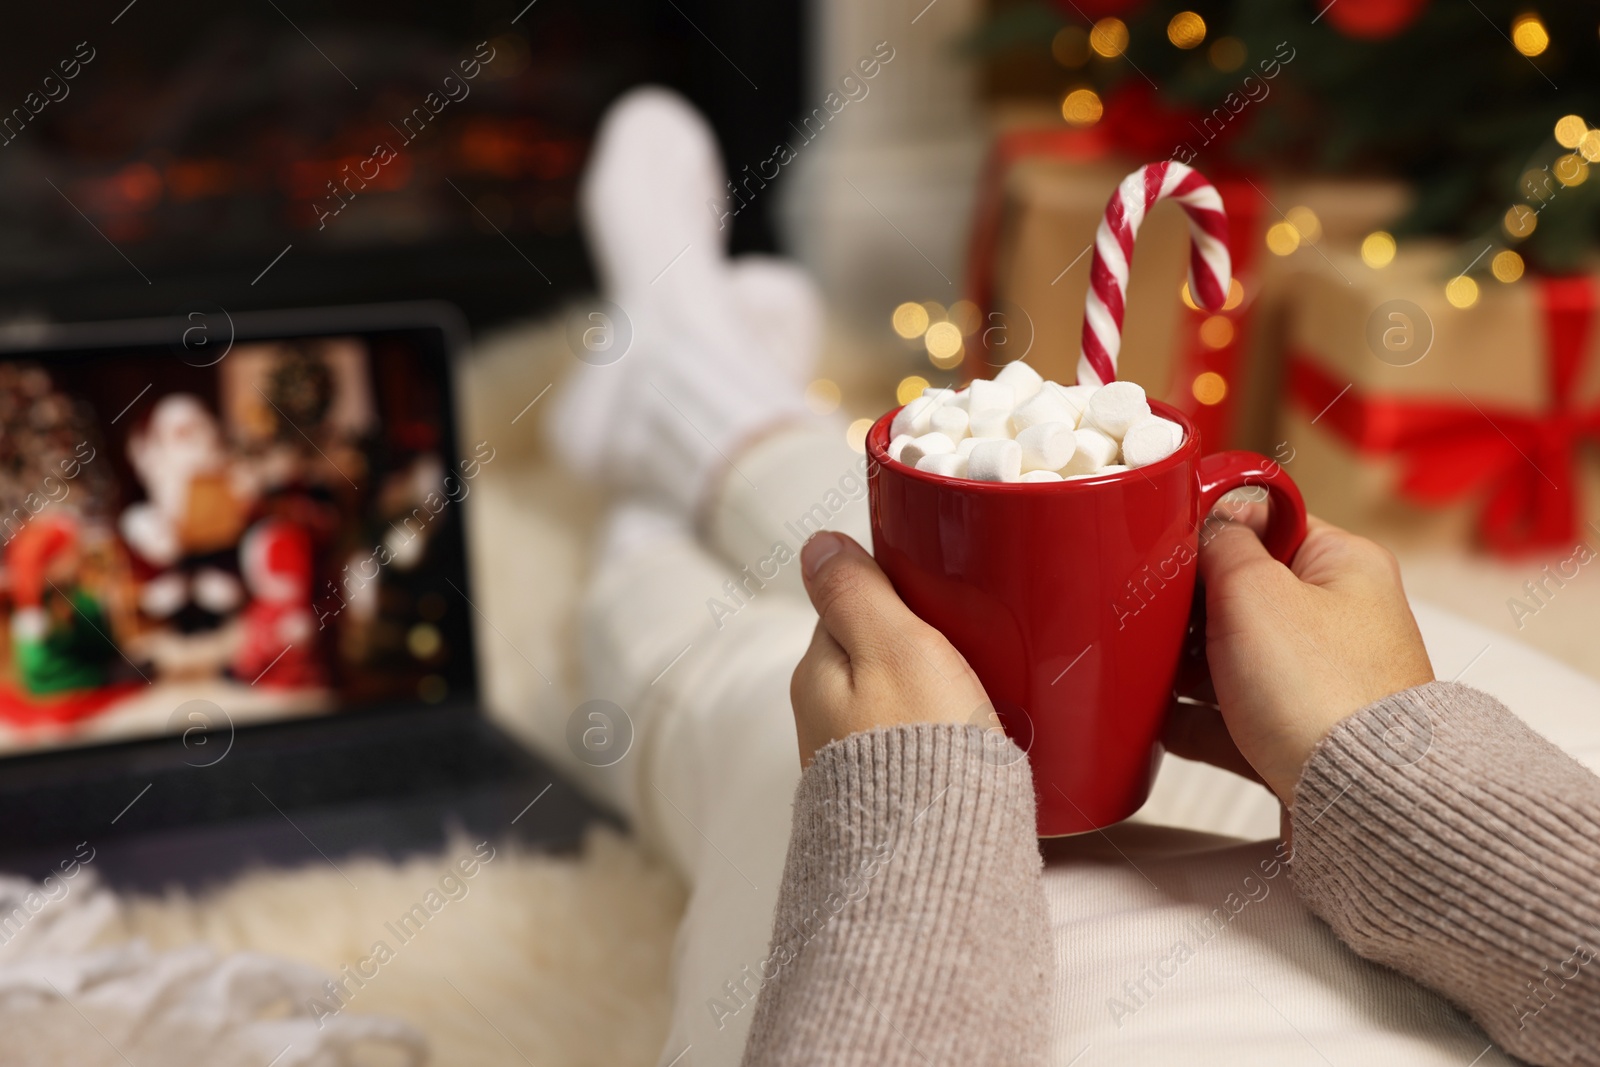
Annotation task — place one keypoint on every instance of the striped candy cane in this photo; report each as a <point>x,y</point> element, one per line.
<point>1210,268</point>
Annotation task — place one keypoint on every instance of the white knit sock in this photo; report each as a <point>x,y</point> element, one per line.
<point>720,350</point>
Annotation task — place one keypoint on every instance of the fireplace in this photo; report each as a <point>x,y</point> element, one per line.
<point>159,155</point>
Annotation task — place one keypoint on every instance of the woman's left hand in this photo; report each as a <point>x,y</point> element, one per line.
<point>871,662</point>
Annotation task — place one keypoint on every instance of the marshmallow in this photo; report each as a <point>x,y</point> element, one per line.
<point>929,444</point>
<point>914,418</point>
<point>958,399</point>
<point>1149,440</point>
<point>1093,451</point>
<point>995,461</point>
<point>1047,446</point>
<point>948,464</point>
<point>990,424</point>
<point>1114,407</point>
<point>1113,468</point>
<point>965,446</point>
<point>1076,397</point>
<point>985,395</point>
<point>939,394</point>
<point>1046,407</point>
<point>1042,476</point>
<point>1023,380</point>
<point>952,422</point>
<point>898,444</point>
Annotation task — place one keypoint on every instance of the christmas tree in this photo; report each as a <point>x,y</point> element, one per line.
<point>1483,106</point>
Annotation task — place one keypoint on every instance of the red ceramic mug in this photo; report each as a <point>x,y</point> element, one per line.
<point>1070,600</point>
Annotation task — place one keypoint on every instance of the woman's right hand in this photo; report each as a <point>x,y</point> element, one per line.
<point>1294,650</point>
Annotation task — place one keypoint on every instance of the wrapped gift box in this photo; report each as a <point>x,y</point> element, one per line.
<point>1419,422</point>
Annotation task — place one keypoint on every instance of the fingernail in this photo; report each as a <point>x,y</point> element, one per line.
<point>820,549</point>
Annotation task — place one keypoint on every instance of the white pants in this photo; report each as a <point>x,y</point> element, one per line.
<point>1173,945</point>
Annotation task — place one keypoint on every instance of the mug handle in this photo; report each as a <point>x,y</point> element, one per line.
<point>1222,472</point>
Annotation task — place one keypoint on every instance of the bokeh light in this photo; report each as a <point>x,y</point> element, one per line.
<point>1282,238</point>
<point>1109,37</point>
<point>1507,266</point>
<point>965,314</point>
<point>1589,146</point>
<point>1461,291</point>
<point>1529,35</point>
<point>1070,47</point>
<point>1227,54</point>
<point>1186,30</point>
<point>1187,297</point>
<point>1305,221</point>
<point>910,387</point>
<point>1520,220</point>
<point>855,435</point>
<point>822,396</point>
<point>1235,295</point>
<point>1209,387</point>
<point>1377,249</point>
<point>910,320</point>
<point>1571,169</point>
<point>1082,107</point>
<point>943,342</point>
<point>1216,332</point>
<point>1570,130</point>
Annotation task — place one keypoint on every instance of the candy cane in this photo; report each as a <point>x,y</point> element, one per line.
<point>1210,268</point>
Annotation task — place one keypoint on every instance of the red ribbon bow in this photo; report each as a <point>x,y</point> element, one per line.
<point>1526,464</point>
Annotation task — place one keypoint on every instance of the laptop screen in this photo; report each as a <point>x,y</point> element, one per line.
<point>211,535</point>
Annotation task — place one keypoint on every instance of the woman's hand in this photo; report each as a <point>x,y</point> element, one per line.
<point>1293,650</point>
<point>871,662</point>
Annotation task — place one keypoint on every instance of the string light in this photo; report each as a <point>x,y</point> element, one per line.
<point>1529,35</point>
<point>822,396</point>
<point>1507,266</point>
<point>910,387</point>
<point>1305,221</point>
<point>1519,221</point>
<point>1209,387</point>
<point>1216,332</point>
<point>855,435</point>
<point>1109,37</point>
<point>1570,130</point>
<point>1461,291</point>
<point>1227,54</point>
<point>1282,238</point>
<point>910,320</point>
<point>1070,47</point>
<point>943,342</point>
<point>1082,107</point>
<point>1186,30</point>
<point>1377,249</point>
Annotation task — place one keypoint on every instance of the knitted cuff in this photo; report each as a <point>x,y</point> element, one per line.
<point>1438,834</point>
<point>911,926</point>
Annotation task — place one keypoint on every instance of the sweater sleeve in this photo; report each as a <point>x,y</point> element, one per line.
<point>911,925</point>
<point>1438,834</point>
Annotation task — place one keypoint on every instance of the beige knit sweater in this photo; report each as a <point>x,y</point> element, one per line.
<point>1433,831</point>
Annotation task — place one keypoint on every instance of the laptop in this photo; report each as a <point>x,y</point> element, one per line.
<point>239,615</point>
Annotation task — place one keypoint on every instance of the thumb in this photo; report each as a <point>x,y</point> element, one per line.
<point>854,599</point>
<point>1229,550</point>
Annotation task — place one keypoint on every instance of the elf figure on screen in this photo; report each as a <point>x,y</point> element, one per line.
<point>277,643</point>
<point>59,631</point>
<point>184,536</point>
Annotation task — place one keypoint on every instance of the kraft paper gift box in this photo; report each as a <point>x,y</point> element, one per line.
<point>1409,419</point>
